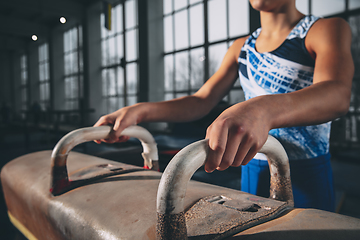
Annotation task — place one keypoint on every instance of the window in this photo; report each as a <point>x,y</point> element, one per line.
<point>120,56</point>
<point>44,76</point>
<point>197,35</point>
<point>73,68</point>
<point>327,7</point>
<point>24,82</point>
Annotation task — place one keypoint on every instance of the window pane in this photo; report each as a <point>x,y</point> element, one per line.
<point>70,63</point>
<point>178,95</point>
<point>327,7</point>
<point>81,85</point>
<point>216,54</point>
<point>75,66</point>
<point>23,62</point>
<point>181,71</point>
<point>169,72</point>
<point>217,20</point>
<point>236,96</point>
<point>42,93</point>
<point>169,96</point>
<point>47,70</point>
<point>80,36</point>
<point>113,104</point>
<point>168,34</point>
<point>303,6</point>
<point>104,82</point>
<point>112,50</point>
<point>41,72</point>
<point>195,1</point>
<point>121,103</point>
<point>24,77</point>
<point>47,51</point>
<point>197,25</point>
<point>67,88</point>
<point>167,6</point>
<point>104,52</point>
<point>180,4</point>
<point>181,30</point>
<point>74,39</point>
<point>131,45</point>
<point>120,81</point>
<point>47,91</point>
<point>130,14</point>
<point>103,29</point>
<point>46,73</point>
<point>238,17</point>
<point>40,54</point>
<point>131,100</point>
<point>197,68</point>
<point>111,82</point>
<point>112,30</point>
<point>131,72</point>
<point>66,42</point>
<point>119,47</point>
<point>119,18</point>
<point>75,87</point>
<point>81,63</point>
<point>66,65</point>
<point>354,4</point>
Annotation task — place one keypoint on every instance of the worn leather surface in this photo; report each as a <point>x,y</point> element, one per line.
<point>124,206</point>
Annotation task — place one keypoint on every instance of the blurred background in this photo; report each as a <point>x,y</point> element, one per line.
<point>63,64</point>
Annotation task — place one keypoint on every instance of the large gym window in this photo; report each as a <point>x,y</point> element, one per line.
<point>197,35</point>
<point>120,56</point>
<point>73,68</point>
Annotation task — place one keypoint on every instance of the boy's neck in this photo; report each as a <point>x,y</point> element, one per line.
<point>282,20</point>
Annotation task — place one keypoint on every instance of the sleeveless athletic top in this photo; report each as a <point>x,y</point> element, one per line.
<point>286,69</point>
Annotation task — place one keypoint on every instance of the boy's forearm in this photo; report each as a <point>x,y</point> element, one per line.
<point>319,103</point>
<point>184,109</point>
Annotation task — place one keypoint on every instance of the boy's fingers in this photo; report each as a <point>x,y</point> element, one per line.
<point>217,143</point>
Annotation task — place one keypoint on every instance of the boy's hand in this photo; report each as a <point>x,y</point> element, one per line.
<point>236,136</point>
<point>120,120</point>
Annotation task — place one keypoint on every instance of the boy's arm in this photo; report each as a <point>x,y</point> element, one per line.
<point>183,109</point>
<point>240,131</point>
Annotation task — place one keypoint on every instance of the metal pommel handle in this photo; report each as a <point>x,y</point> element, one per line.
<point>173,184</point>
<point>59,174</point>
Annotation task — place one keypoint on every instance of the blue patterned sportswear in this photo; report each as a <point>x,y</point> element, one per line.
<point>286,69</point>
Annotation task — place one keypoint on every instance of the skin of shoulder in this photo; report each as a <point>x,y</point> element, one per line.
<point>325,32</point>
<point>329,43</point>
<point>237,45</point>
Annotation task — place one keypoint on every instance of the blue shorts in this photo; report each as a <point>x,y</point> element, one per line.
<point>312,181</point>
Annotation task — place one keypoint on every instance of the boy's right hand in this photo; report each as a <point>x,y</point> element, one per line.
<point>120,120</point>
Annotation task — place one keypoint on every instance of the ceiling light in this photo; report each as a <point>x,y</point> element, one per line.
<point>63,20</point>
<point>34,37</point>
